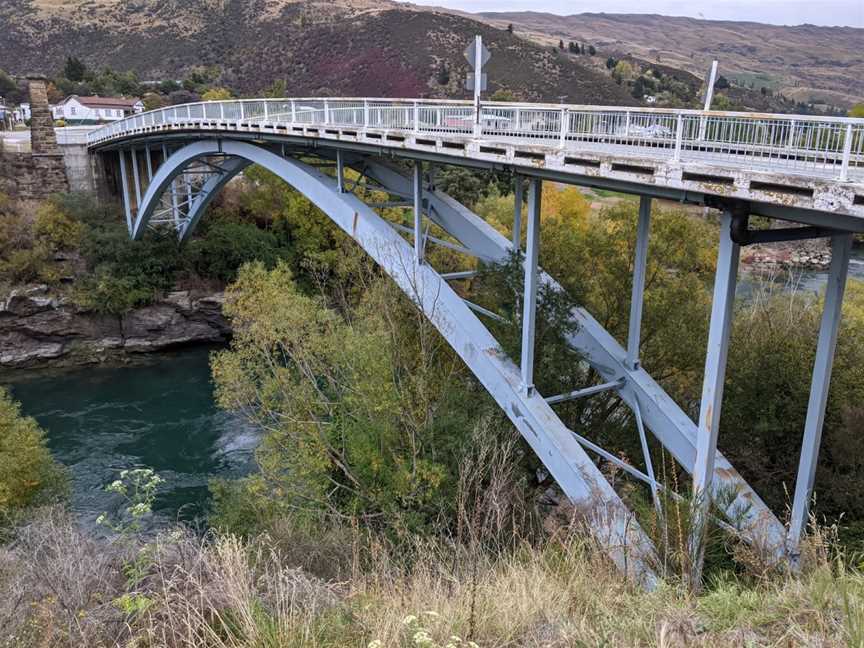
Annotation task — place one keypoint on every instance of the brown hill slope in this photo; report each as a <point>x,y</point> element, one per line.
<point>349,47</point>
<point>804,62</point>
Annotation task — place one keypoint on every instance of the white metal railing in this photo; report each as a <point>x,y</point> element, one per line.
<point>831,147</point>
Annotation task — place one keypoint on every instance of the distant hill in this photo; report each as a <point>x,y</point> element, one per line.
<point>806,63</point>
<point>346,47</point>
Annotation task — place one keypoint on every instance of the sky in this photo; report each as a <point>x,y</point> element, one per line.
<point>781,12</point>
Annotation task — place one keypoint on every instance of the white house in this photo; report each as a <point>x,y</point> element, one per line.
<point>92,110</point>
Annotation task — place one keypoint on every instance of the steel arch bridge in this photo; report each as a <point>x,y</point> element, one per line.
<point>173,162</point>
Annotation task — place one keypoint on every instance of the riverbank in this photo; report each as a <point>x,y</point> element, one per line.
<point>42,328</point>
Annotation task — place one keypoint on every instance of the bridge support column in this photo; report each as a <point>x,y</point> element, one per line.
<point>149,164</point>
<point>712,393</point>
<point>175,208</point>
<point>124,180</point>
<point>640,263</point>
<point>136,177</point>
<point>418,212</point>
<point>340,172</point>
<point>840,247</point>
<point>529,312</point>
<point>517,213</point>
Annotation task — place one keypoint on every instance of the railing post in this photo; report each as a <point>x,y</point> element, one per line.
<point>679,138</point>
<point>416,117</point>
<point>529,311</point>
<point>241,111</point>
<point>847,154</point>
<point>293,112</point>
<point>326,112</point>
<point>791,139</point>
<point>365,113</point>
<point>627,125</point>
<point>564,128</point>
<point>265,110</point>
<point>221,111</point>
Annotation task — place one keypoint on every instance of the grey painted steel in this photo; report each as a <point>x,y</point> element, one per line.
<point>517,212</point>
<point>646,456</point>
<point>821,381</point>
<point>137,179</point>
<point>418,212</point>
<point>640,263</point>
<point>208,192</point>
<point>712,388</point>
<point>613,525</point>
<point>149,164</point>
<point>662,415</point>
<point>788,162</point>
<point>340,172</point>
<point>529,301</point>
<point>583,393</point>
<point>124,180</point>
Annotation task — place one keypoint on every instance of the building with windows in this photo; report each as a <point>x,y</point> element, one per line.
<point>93,110</point>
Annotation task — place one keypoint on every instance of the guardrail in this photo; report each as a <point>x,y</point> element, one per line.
<point>830,147</point>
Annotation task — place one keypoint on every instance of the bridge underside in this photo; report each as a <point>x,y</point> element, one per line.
<point>170,181</point>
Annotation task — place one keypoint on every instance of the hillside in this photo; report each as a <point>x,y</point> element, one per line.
<point>349,47</point>
<point>806,63</point>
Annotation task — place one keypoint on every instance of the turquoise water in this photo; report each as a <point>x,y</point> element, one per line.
<point>158,414</point>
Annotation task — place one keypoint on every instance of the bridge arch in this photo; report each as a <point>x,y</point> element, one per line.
<point>614,526</point>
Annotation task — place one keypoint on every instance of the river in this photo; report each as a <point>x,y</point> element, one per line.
<point>159,413</point>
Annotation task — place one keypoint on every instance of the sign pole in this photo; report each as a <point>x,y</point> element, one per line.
<point>478,75</point>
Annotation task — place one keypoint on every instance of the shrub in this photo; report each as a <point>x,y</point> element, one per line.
<point>55,229</point>
<point>126,273</point>
<point>226,244</point>
<point>28,474</point>
<point>106,293</point>
<point>27,265</point>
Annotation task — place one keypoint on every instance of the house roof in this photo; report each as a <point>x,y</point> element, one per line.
<point>104,102</point>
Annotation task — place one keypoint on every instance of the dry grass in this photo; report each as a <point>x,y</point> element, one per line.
<point>62,587</point>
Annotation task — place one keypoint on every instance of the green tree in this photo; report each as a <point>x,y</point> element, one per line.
<point>364,416</point>
<point>74,70</point>
<point>857,110</point>
<point>28,474</point>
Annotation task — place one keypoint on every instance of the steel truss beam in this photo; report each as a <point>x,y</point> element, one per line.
<point>661,415</point>
<point>558,448</point>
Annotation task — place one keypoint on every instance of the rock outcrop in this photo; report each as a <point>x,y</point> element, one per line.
<point>38,329</point>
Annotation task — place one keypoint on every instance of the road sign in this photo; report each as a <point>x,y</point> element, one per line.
<point>470,54</point>
<point>469,82</point>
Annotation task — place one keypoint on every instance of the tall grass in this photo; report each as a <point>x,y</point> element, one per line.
<point>62,587</point>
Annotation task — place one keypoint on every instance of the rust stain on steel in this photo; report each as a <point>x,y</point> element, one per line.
<point>354,225</point>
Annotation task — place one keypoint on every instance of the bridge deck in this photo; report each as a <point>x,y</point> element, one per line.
<point>786,162</point>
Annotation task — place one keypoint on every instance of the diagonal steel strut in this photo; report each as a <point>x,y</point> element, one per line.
<point>663,417</point>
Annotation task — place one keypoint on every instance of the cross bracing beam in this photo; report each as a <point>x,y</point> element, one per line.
<point>561,452</point>
<point>675,430</point>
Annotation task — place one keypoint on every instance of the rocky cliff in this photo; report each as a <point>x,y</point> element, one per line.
<point>38,329</point>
